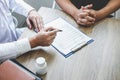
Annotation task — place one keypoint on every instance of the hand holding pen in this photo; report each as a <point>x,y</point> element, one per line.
<point>45,37</point>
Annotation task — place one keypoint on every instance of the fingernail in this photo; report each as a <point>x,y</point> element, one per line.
<point>37,30</point>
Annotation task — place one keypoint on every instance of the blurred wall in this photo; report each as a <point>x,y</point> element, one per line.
<point>36,4</point>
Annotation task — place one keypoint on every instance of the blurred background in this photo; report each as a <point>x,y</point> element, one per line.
<point>45,3</point>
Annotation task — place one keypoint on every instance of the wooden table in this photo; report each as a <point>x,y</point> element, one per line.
<point>99,60</point>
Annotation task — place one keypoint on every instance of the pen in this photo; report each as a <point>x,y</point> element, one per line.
<point>60,30</point>
<point>57,30</point>
<point>50,30</point>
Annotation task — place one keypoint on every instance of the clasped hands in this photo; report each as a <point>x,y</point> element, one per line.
<point>86,16</point>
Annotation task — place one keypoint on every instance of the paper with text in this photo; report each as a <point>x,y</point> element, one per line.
<point>70,39</point>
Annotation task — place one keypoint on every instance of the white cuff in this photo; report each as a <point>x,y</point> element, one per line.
<point>22,46</point>
<point>14,49</point>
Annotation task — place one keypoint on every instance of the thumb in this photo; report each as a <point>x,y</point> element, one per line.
<point>89,6</point>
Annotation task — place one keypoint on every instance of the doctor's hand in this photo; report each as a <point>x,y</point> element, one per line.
<point>44,37</point>
<point>34,21</point>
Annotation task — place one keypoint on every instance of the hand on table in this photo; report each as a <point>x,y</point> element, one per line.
<point>85,16</point>
<point>34,21</point>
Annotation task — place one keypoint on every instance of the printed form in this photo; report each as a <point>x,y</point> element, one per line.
<point>70,39</point>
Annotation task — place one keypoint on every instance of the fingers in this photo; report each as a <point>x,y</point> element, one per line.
<point>85,19</point>
<point>89,6</point>
<point>51,39</point>
<point>46,37</point>
<point>85,22</point>
<point>86,16</point>
<point>93,13</point>
<point>39,23</point>
<point>28,23</point>
<point>53,32</point>
<point>90,19</point>
<point>52,36</point>
<point>34,20</point>
<point>49,29</point>
<point>89,10</point>
<point>80,16</point>
<point>35,25</point>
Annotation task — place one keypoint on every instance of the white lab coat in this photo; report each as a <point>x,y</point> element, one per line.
<point>8,32</point>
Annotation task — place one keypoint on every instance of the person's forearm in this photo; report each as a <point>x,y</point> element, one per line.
<point>14,49</point>
<point>112,6</point>
<point>68,7</point>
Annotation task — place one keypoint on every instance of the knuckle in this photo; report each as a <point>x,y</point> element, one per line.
<point>37,16</point>
<point>45,34</point>
<point>49,43</point>
<point>32,17</point>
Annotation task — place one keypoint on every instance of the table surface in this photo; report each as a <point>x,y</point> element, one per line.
<point>99,60</point>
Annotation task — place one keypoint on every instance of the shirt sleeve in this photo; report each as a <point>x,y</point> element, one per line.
<point>19,6</point>
<point>14,49</point>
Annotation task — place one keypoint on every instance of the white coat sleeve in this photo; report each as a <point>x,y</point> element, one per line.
<point>14,49</point>
<point>19,6</point>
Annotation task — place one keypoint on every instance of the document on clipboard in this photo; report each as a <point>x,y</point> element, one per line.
<point>70,39</point>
